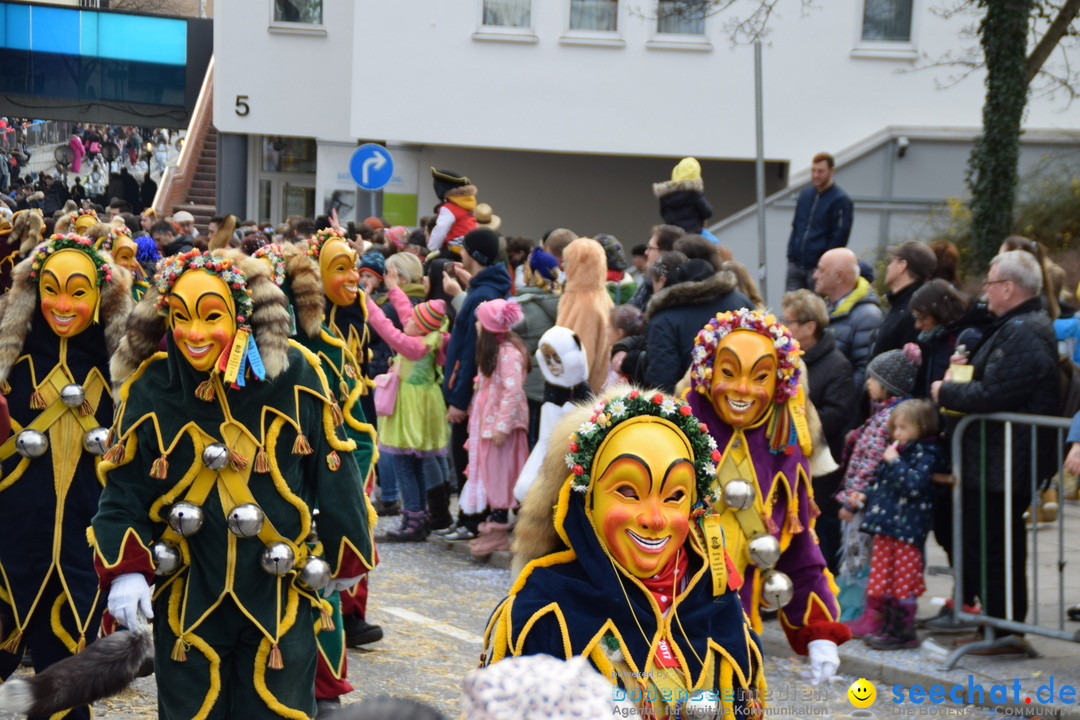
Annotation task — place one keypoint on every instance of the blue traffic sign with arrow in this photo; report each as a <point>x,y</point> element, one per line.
<point>371,166</point>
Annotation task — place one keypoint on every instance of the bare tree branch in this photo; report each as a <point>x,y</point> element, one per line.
<point>1050,39</point>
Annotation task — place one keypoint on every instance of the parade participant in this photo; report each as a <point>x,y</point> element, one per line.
<point>745,388</point>
<point>345,316</point>
<point>123,249</point>
<point>296,274</point>
<point>454,213</point>
<point>66,312</point>
<point>224,444</point>
<point>626,562</point>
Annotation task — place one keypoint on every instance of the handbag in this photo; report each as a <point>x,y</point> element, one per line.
<point>386,390</point>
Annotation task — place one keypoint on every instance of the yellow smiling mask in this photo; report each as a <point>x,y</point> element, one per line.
<point>641,495</point>
<point>337,265</point>
<point>69,293</point>
<point>744,377</point>
<point>202,318</point>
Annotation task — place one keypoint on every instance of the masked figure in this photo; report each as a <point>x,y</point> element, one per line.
<point>224,445</point>
<point>635,577</point>
<point>64,315</point>
<point>745,387</point>
<point>123,248</point>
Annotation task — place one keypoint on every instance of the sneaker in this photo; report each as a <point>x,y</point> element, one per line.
<point>443,532</point>
<point>462,534</point>
<point>327,707</point>
<point>360,632</point>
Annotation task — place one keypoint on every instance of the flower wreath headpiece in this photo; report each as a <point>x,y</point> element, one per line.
<point>120,231</point>
<point>272,253</point>
<point>70,241</point>
<point>321,237</point>
<point>170,270</point>
<point>707,340</point>
<point>607,415</point>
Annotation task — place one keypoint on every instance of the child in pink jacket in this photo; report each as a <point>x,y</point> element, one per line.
<point>498,423</point>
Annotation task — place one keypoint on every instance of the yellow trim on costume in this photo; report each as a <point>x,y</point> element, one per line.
<point>92,540</point>
<point>517,647</point>
<point>190,640</point>
<point>261,664</point>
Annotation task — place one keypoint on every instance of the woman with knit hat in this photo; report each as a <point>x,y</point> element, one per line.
<point>682,199</point>
<point>498,423</point>
<point>412,417</point>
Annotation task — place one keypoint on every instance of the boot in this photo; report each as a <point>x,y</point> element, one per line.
<point>899,629</point>
<point>493,536</point>
<point>438,502</point>
<point>411,530</point>
<point>872,619</point>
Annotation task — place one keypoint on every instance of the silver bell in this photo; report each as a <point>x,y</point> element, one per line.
<point>31,444</point>
<point>700,709</point>
<point>186,518</point>
<point>313,534</point>
<point>166,558</point>
<point>764,550</point>
<point>72,395</point>
<point>739,494</point>
<point>96,441</point>
<point>277,558</point>
<point>776,590</point>
<point>215,455</point>
<point>246,520</point>
<point>315,574</point>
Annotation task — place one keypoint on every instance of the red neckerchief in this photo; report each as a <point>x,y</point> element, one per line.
<point>614,275</point>
<point>671,579</point>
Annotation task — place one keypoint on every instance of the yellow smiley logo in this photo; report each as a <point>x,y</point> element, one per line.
<point>862,693</point>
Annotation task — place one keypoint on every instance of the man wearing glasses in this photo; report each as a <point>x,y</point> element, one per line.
<point>661,241</point>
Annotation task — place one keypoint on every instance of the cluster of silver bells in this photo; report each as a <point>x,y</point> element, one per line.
<point>33,444</point>
<point>763,548</point>
<point>245,520</point>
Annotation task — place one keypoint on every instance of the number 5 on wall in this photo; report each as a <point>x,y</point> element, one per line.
<point>242,107</point>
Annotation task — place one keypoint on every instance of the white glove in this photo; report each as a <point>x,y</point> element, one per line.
<point>130,602</point>
<point>339,584</point>
<point>824,660</point>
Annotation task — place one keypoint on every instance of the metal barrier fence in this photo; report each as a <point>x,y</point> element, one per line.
<point>1057,449</point>
<point>36,134</point>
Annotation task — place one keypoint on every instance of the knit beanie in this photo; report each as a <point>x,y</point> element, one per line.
<point>499,316</point>
<point>482,245</point>
<point>616,260</point>
<point>373,262</point>
<point>430,315</point>
<point>896,369</point>
<point>687,169</point>
<point>537,686</point>
<point>397,236</point>
<point>543,264</point>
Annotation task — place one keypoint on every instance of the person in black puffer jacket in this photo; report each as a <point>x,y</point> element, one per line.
<point>682,199</point>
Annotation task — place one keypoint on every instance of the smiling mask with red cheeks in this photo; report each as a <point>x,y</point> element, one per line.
<point>744,377</point>
<point>642,495</point>
<point>69,292</point>
<point>202,316</point>
<point>123,252</point>
<point>337,265</point>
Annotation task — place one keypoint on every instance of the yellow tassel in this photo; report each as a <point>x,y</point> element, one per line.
<point>792,525</point>
<point>13,644</point>
<point>205,391</point>
<point>815,511</point>
<point>770,524</point>
<point>262,462</point>
<point>301,446</point>
<point>115,454</point>
<point>86,409</point>
<point>179,651</point>
<point>238,461</point>
<point>159,469</point>
<point>81,645</point>
<point>37,401</point>
<point>327,621</point>
<point>5,388</point>
<point>339,416</point>
<point>276,663</point>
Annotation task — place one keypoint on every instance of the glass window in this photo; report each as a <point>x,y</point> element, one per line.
<point>599,15</point>
<point>685,17</point>
<point>297,200</point>
<point>508,13</point>
<point>887,20</point>
<point>298,11</point>
<point>283,154</point>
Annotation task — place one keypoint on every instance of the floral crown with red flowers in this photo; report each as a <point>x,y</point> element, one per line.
<point>170,270</point>
<point>71,241</point>
<point>321,237</point>
<point>271,252</point>
<point>120,231</point>
<point>708,339</point>
<point>585,443</point>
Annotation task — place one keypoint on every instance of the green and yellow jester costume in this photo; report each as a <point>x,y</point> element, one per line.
<point>65,313</point>
<point>211,485</point>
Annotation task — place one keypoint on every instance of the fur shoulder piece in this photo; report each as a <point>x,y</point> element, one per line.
<point>142,339</point>
<point>697,292</point>
<point>19,303</point>
<point>27,229</point>
<point>309,299</point>
<point>461,191</point>
<point>669,187</point>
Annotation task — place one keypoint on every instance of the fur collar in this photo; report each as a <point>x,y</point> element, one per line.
<point>692,293</point>
<point>460,191</point>
<point>308,298</point>
<point>661,189</point>
<point>17,311</point>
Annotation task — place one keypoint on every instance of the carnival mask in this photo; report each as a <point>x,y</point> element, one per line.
<point>744,377</point>
<point>643,488</point>
<point>337,265</point>
<point>202,315</point>
<point>69,292</point>
<point>551,359</point>
<point>123,252</point>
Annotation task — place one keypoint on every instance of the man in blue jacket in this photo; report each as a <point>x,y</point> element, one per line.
<point>822,222</point>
